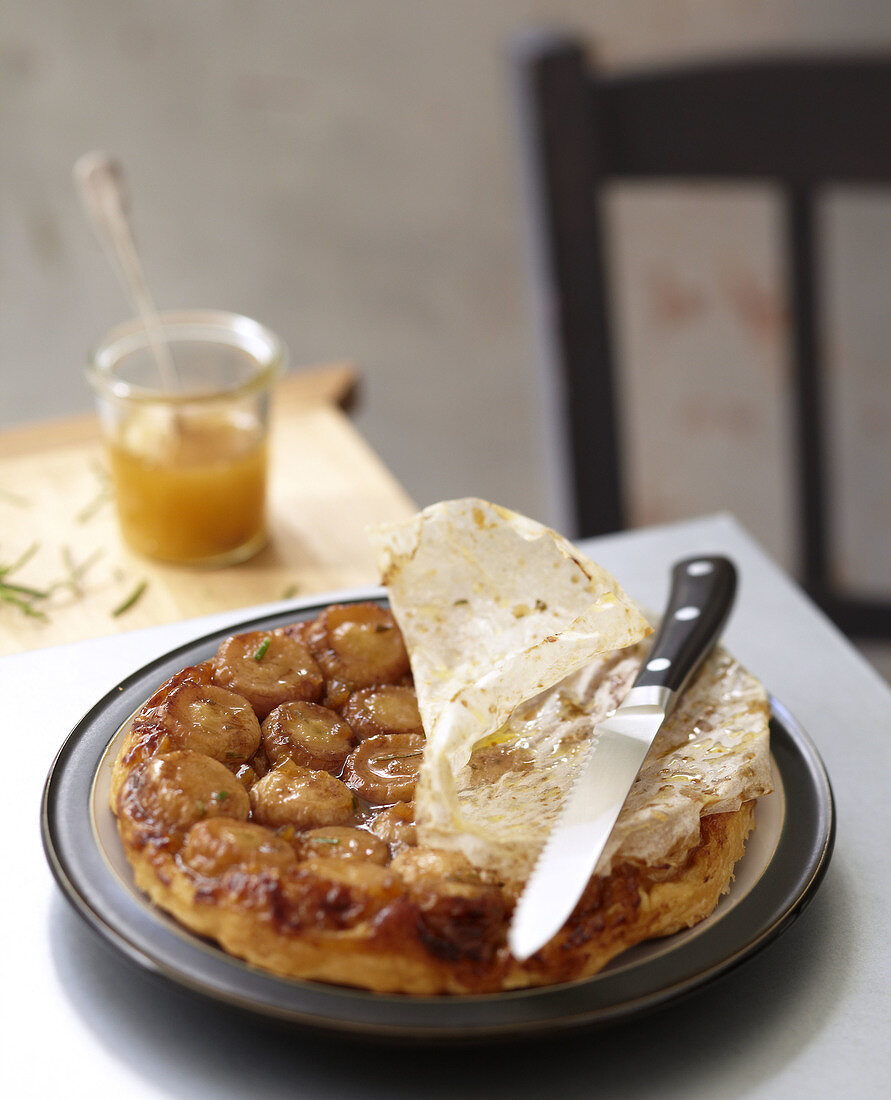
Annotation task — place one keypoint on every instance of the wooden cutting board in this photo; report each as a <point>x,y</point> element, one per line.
<point>326,486</point>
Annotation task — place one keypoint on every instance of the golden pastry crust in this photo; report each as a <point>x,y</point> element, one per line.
<point>306,898</point>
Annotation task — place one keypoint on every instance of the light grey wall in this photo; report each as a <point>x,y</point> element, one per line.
<point>347,173</point>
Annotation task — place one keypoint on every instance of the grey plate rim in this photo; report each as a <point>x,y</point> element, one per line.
<point>788,884</point>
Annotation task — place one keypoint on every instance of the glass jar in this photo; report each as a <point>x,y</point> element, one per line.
<point>188,461</point>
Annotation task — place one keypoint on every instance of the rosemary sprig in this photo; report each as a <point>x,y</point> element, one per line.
<point>21,560</point>
<point>89,510</point>
<point>26,590</point>
<point>130,600</point>
<point>23,596</point>
<point>103,495</point>
<point>76,571</point>
<point>26,597</point>
<point>25,605</point>
<point>14,498</point>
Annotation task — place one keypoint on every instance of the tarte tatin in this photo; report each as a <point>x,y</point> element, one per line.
<point>265,799</point>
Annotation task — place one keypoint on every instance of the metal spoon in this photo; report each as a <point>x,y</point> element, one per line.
<point>100,182</point>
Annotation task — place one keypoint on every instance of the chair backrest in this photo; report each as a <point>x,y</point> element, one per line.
<point>798,123</point>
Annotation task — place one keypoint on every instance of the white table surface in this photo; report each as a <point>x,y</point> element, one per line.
<point>808,1016</point>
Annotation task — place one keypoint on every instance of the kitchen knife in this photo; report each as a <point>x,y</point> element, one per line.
<point>702,591</point>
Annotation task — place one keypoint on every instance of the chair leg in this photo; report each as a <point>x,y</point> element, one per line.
<point>560,133</point>
<point>860,617</point>
<point>808,397</point>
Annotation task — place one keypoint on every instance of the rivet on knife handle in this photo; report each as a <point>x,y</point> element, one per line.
<point>701,596</point>
<point>702,591</point>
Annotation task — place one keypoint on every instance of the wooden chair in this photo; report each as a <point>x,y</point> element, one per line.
<point>797,123</point>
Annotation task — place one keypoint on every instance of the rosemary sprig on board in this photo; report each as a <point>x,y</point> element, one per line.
<point>126,604</point>
<point>23,596</point>
<point>76,571</point>
<point>29,599</point>
<point>103,495</point>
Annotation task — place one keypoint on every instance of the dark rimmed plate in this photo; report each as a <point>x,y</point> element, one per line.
<point>784,863</point>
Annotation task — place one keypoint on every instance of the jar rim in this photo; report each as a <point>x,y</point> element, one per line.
<point>233,330</point>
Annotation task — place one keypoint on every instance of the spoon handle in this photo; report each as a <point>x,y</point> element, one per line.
<point>100,181</point>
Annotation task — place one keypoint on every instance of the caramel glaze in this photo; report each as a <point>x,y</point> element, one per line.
<point>181,810</point>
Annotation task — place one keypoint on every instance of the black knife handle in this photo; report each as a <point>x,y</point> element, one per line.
<point>702,591</point>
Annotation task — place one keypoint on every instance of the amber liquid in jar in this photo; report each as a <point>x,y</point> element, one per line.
<point>190,489</point>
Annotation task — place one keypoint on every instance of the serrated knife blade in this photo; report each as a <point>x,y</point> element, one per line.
<point>702,593</point>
